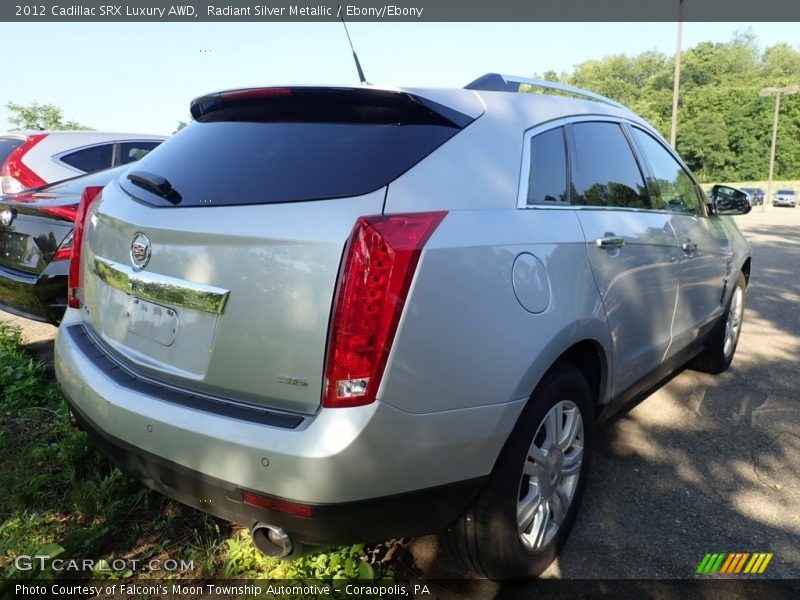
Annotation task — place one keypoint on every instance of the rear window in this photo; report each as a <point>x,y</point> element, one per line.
<point>7,146</point>
<point>292,149</point>
<point>260,163</point>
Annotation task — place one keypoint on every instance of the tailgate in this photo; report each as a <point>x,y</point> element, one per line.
<point>234,301</point>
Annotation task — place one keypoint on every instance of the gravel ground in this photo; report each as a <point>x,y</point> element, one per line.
<point>707,463</point>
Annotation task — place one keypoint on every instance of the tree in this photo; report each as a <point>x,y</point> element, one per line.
<point>181,125</point>
<point>724,127</point>
<point>37,116</point>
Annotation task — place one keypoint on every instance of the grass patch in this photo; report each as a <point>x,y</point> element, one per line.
<point>62,497</point>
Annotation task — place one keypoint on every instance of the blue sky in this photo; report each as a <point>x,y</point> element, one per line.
<point>140,77</point>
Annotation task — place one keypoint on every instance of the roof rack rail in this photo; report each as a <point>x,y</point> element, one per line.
<point>495,82</point>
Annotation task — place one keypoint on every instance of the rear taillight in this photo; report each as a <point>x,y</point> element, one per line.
<point>64,251</point>
<point>248,94</point>
<point>380,260</point>
<point>15,175</point>
<point>68,213</point>
<point>90,195</point>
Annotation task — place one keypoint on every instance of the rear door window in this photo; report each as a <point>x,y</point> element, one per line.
<point>90,159</point>
<point>128,152</point>
<point>605,172</point>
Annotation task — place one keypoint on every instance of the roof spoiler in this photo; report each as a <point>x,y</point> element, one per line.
<point>325,104</point>
<point>495,82</point>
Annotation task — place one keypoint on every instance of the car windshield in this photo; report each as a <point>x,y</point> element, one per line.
<point>786,192</point>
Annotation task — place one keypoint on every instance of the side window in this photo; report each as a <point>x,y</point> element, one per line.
<point>129,152</point>
<point>91,159</point>
<point>547,178</point>
<point>605,171</point>
<point>671,187</point>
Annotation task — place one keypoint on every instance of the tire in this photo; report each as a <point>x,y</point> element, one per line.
<point>489,539</point>
<point>723,339</point>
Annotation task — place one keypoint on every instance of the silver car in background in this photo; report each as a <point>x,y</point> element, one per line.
<point>346,314</point>
<point>787,197</point>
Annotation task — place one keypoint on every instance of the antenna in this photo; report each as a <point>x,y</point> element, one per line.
<point>361,77</point>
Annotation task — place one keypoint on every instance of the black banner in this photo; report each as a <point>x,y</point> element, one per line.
<point>403,10</point>
<point>739,588</point>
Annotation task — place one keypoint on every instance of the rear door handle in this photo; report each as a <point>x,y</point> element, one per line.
<point>689,246</point>
<point>606,243</point>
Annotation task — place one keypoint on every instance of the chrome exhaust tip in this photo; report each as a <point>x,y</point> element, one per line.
<point>271,540</point>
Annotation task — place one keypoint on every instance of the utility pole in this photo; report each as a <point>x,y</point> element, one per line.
<point>777,92</point>
<point>677,79</point>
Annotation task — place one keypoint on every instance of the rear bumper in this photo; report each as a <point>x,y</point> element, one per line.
<point>332,524</point>
<point>371,472</point>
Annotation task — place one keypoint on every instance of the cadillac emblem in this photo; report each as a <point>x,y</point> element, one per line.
<point>140,251</point>
<point>6,217</point>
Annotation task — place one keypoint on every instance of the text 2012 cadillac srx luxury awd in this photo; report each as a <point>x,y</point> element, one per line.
<point>347,314</point>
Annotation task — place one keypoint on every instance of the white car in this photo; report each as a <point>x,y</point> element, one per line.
<point>787,197</point>
<point>34,159</point>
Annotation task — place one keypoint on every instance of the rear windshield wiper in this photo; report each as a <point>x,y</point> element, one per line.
<point>155,184</point>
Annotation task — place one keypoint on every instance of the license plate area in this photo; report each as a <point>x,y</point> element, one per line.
<point>152,321</point>
<point>16,250</point>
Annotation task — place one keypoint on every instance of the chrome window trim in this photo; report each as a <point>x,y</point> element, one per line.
<point>525,167</point>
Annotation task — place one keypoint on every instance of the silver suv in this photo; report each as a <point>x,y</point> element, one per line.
<point>350,314</point>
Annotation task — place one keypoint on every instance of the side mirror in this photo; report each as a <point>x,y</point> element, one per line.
<point>729,200</point>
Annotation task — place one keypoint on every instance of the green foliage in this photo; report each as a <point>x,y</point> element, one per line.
<point>181,125</point>
<point>342,563</point>
<point>62,497</point>
<point>724,127</point>
<point>37,116</point>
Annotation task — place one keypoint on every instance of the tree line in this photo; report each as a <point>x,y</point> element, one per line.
<point>724,126</point>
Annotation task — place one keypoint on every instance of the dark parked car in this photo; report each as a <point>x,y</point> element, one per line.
<point>36,244</point>
<point>756,195</point>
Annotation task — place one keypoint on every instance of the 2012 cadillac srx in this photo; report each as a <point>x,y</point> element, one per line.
<point>347,314</point>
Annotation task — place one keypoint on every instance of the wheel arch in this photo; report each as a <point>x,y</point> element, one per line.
<point>746,269</point>
<point>587,346</point>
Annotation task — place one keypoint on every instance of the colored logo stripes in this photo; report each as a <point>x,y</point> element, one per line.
<point>736,562</point>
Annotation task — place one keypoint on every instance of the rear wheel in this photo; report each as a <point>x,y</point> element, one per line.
<point>722,342</point>
<point>520,522</point>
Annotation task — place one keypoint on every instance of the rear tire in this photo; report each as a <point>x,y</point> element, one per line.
<point>723,339</point>
<point>520,522</point>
